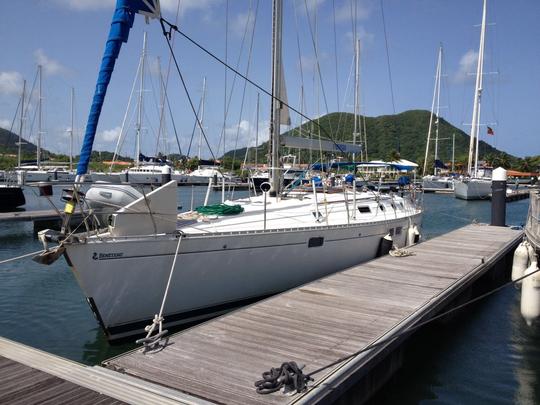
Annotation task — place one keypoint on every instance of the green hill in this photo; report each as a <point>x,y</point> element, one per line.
<point>8,144</point>
<point>8,152</point>
<point>406,132</point>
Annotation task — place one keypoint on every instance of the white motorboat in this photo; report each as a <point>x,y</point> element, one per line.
<point>149,174</point>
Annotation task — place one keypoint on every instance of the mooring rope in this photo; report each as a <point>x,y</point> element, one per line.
<point>22,256</point>
<point>152,343</point>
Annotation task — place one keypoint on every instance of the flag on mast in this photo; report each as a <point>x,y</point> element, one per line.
<point>490,131</point>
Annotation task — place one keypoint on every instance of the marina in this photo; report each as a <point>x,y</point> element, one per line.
<point>255,214</point>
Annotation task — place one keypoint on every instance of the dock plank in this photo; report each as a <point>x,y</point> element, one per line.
<point>320,322</point>
<point>21,384</point>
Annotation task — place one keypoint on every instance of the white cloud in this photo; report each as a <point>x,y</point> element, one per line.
<point>84,5</point>
<point>50,66</point>
<point>4,123</point>
<point>246,133</point>
<point>186,5</point>
<point>169,6</point>
<point>312,5</point>
<point>467,65</point>
<point>345,11</point>
<point>110,135</point>
<point>363,35</point>
<point>238,25</point>
<point>10,83</point>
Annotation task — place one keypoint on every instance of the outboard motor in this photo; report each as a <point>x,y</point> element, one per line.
<point>105,199</point>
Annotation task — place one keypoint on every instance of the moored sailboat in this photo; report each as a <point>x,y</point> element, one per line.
<point>435,182</point>
<point>228,255</point>
<point>476,186</point>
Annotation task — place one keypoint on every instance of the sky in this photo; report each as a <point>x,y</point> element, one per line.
<point>67,38</point>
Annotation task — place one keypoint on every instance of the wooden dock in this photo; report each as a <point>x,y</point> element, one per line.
<point>517,195</point>
<point>36,215</point>
<point>31,376</point>
<point>320,322</point>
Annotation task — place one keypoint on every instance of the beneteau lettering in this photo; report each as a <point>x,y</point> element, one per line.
<point>106,256</point>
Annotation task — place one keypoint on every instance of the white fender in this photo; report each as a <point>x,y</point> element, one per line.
<point>520,261</point>
<point>530,294</point>
<point>412,234</point>
<point>531,252</point>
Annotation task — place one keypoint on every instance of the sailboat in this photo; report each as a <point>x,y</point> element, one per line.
<point>211,262</point>
<point>478,185</point>
<point>435,182</point>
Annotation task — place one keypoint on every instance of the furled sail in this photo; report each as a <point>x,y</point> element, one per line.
<point>122,21</point>
<point>285,117</point>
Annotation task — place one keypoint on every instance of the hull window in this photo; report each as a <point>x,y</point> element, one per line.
<point>315,242</point>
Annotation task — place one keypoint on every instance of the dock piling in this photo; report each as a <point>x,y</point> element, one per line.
<point>498,197</point>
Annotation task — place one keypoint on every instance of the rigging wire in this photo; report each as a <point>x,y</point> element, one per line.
<point>195,127</point>
<point>168,39</point>
<point>173,27</point>
<point>233,86</point>
<point>389,70</point>
<point>317,63</point>
<point>12,125</point>
<point>225,103</point>
<point>173,122</point>
<point>250,52</point>
<point>335,52</point>
<point>121,136</point>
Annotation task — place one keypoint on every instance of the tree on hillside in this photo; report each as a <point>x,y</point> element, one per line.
<point>393,156</point>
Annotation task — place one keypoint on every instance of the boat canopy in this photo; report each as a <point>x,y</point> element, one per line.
<point>333,165</point>
<point>402,164</point>
<point>318,144</point>
<point>123,18</point>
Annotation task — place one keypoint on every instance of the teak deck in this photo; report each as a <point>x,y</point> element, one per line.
<point>319,322</point>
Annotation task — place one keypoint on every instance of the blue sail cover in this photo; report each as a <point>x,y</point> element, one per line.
<point>122,22</point>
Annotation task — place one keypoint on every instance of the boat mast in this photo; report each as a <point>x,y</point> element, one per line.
<point>439,68</point>
<point>40,97</point>
<point>275,112</point>
<point>436,91</point>
<point>453,150</point>
<point>356,94</point>
<point>477,99</point>
<point>202,116</point>
<point>19,144</point>
<point>140,106</point>
<point>71,132</point>
<point>257,132</point>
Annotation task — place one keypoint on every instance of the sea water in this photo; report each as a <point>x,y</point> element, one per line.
<point>486,354</point>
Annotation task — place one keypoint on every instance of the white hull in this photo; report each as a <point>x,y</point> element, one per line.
<point>125,281</point>
<point>225,261</point>
<point>147,178</point>
<point>472,189</point>
<point>436,183</point>
<point>113,178</point>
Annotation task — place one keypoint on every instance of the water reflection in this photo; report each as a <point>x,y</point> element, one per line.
<point>97,349</point>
